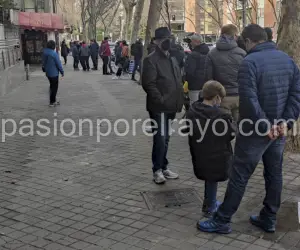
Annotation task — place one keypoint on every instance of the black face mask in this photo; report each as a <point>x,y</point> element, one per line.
<point>166,45</point>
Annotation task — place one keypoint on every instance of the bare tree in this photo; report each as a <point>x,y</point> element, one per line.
<point>110,16</point>
<point>128,6</point>
<point>137,20</point>
<point>165,14</point>
<point>97,9</point>
<point>83,5</point>
<point>289,41</point>
<point>153,19</point>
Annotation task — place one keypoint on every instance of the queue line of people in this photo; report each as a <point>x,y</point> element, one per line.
<point>260,84</point>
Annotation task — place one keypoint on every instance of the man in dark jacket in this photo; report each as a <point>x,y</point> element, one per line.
<point>269,89</point>
<point>177,52</point>
<point>137,52</point>
<point>161,80</point>
<point>94,49</point>
<point>75,54</point>
<point>151,47</point>
<point>84,55</point>
<point>195,66</point>
<point>222,65</point>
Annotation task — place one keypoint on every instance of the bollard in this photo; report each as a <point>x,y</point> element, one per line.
<point>3,59</point>
<point>27,71</point>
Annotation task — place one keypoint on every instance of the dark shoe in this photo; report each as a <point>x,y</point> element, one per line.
<point>258,222</point>
<point>112,73</point>
<point>211,226</point>
<point>209,212</point>
<point>133,79</point>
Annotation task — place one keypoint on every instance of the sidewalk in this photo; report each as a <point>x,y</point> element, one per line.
<point>73,192</point>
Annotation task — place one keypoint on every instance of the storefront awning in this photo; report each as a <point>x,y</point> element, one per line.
<point>42,21</point>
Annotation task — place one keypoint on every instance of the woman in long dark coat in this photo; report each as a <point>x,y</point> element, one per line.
<point>64,50</point>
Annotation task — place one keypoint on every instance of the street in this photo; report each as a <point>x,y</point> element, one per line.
<point>88,192</point>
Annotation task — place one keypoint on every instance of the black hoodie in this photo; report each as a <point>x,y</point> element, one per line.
<point>211,152</point>
<point>195,66</point>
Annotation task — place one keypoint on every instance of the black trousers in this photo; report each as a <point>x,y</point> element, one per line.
<point>53,88</point>
<point>75,62</point>
<point>95,61</point>
<point>65,59</point>
<point>105,64</point>
<point>84,60</point>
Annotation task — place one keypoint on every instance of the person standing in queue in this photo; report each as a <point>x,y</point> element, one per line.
<point>162,81</point>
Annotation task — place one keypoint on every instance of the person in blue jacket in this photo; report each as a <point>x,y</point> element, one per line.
<point>269,91</point>
<point>52,67</point>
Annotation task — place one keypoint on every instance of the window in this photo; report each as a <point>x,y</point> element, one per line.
<point>29,5</point>
<point>40,5</point>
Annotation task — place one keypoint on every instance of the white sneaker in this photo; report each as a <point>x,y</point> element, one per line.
<point>116,78</point>
<point>158,177</point>
<point>168,174</point>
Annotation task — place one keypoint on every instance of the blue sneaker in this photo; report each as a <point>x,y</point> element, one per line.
<point>209,212</point>
<point>258,222</point>
<point>211,226</point>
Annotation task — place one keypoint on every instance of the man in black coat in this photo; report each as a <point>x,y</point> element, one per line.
<point>94,49</point>
<point>137,52</point>
<point>161,80</point>
<point>195,66</point>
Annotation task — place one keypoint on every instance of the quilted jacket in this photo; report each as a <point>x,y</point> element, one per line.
<point>223,62</point>
<point>269,86</point>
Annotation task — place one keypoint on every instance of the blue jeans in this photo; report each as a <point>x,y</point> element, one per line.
<point>210,194</point>
<point>248,152</point>
<point>161,139</point>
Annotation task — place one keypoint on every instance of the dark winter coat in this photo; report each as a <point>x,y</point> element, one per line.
<point>75,51</point>
<point>211,154</point>
<point>151,48</point>
<point>94,48</point>
<point>161,80</point>
<point>269,86</point>
<point>104,49</point>
<point>137,50</point>
<point>84,51</point>
<point>64,50</point>
<point>177,52</point>
<point>223,63</point>
<point>195,67</point>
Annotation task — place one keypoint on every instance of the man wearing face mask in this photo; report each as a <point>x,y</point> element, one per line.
<point>195,65</point>
<point>222,65</point>
<point>269,90</point>
<point>161,80</point>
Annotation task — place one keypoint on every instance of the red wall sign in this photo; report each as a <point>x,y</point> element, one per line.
<point>47,21</point>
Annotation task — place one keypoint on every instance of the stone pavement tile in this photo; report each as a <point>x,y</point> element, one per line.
<point>129,230</point>
<point>239,244</point>
<point>40,242</point>
<point>80,245</point>
<point>55,246</point>
<point>255,247</point>
<point>230,248</point>
<point>279,247</point>
<point>246,238</point>
<point>161,247</point>
<point>28,238</point>
<point>223,239</point>
<point>139,225</point>
<point>263,243</point>
<point>66,241</point>
<point>145,244</point>
<point>118,236</point>
<point>198,241</point>
<point>213,245</point>
<point>131,240</point>
<point>105,243</point>
<point>120,246</point>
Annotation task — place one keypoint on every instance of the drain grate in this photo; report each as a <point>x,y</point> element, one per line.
<point>171,198</point>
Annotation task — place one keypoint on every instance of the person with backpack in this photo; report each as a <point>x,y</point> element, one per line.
<point>123,62</point>
<point>195,66</point>
<point>52,67</point>
<point>105,53</point>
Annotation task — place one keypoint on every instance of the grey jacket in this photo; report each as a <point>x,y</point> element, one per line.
<point>223,62</point>
<point>84,51</point>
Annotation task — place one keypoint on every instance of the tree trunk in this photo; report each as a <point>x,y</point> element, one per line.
<point>289,42</point>
<point>153,18</point>
<point>137,20</point>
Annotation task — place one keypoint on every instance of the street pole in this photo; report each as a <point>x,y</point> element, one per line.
<point>244,13</point>
<point>244,4</point>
